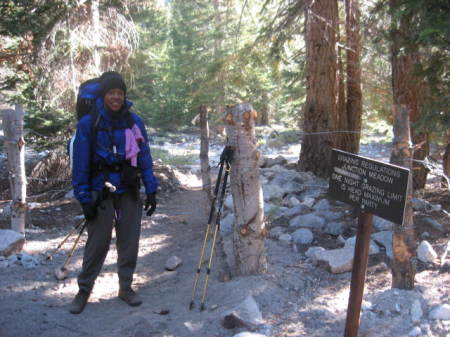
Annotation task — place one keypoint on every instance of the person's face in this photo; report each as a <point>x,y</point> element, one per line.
<point>114,99</point>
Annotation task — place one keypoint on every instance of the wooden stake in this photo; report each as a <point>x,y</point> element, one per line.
<point>358,274</point>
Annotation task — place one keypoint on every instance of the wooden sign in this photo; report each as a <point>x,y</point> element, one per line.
<point>376,187</point>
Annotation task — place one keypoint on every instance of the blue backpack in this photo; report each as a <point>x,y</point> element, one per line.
<point>88,92</point>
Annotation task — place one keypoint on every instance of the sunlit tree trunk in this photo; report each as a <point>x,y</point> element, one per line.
<point>446,159</point>
<point>404,244</point>
<point>249,231</point>
<point>204,149</point>
<point>15,149</point>
<point>95,18</point>
<point>342,122</point>
<point>218,46</point>
<point>354,95</point>
<point>320,108</point>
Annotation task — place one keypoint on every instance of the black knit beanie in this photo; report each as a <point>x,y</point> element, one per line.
<point>112,80</point>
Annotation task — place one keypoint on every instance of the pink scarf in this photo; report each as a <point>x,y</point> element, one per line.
<point>133,137</point>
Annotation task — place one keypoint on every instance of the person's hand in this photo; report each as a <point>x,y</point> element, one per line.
<point>150,203</point>
<point>89,211</point>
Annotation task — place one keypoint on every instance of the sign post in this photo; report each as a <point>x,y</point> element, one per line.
<point>375,188</point>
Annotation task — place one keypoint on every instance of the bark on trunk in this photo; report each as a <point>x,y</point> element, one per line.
<point>404,245</point>
<point>249,231</point>
<point>15,149</point>
<point>446,161</point>
<point>404,241</point>
<point>342,122</point>
<point>320,108</point>
<point>204,149</point>
<point>354,95</point>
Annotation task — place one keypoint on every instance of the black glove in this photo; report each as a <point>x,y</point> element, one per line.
<point>150,203</point>
<point>89,211</point>
<point>227,155</point>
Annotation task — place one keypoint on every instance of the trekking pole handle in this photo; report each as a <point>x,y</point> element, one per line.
<point>110,186</point>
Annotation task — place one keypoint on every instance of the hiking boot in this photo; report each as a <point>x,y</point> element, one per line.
<point>130,297</point>
<point>79,302</point>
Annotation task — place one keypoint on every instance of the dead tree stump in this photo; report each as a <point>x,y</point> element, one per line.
<point>404,242</point>
<point>15,149</point>
<point>249,230</point>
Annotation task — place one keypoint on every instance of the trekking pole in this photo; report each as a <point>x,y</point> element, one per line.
<point>61,273</point>
<point>208,229</point>
<point>50,256</point>
<point>216,230</point>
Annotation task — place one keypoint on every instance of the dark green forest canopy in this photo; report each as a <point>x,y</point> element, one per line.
<point>191,53</point>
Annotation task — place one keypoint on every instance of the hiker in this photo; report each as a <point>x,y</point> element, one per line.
<point>111,146</point>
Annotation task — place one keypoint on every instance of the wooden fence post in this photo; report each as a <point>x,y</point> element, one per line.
<point>249,231</point>
<point>15,149</point>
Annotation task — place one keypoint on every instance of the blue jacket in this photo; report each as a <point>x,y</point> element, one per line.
<point>109,132</point>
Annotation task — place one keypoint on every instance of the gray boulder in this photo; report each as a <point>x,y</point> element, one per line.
<point>307,221</point>
<point>246,314</point>
<point>302,236</point>
<point>273,192</point>
<point>336,260</point>
<point>280,160</point>
<point>373,248</point>
<point>334,228</point>
<point>441,312</point>
<point>173,262</point>
<point>384,239</point>
<point>322,205</point>
<point>426,253</point>
<point>380,224</point>
<point>11,242</point>
<point>296,210</point>
<point>312,253</point>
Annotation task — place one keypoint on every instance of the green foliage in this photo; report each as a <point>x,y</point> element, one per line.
<point>170,159</point>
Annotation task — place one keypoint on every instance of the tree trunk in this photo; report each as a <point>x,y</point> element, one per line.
<point>404,246</point>
<point>95,19</point>
<point>354,95</point>
<point>15,149</point>
<point>263,114</point>
<point>249,231</point>
<point>204,149</point>
<point>320,107</point>
<point>446,160</point>
<point>342,122</point>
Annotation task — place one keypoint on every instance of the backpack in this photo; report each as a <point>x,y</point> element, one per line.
<point>87,94</point>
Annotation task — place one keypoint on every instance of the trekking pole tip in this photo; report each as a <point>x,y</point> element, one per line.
<point>202,308</point>
<point>191,305</point>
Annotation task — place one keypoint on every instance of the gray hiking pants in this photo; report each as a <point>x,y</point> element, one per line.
<point>128,208</point>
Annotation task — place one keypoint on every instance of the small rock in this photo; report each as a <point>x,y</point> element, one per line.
<point>28,261</point>
<point>322,205</point>
<point>416,331</point>
<point>285,238</point>
<point>245,314</point>
<point>426,253</point>
<point>249,334</point>
<point>308,201</point>
<point>433,224</point>
<point>302,236</point>
<point>420,205</point>
<point>373,248</point>
<point>380,224</point>
<point>193,326</point>
<point>296,210</point>
<point>275,232</point>
<point>337,260</point>
<point>173,262</point>
<point>334,228</point>
<point>307,221</point>
<point>416,311</point>
<point>441,312</point>
<point>341,240</point>
<point>294,201</point>
<point>366,306</point>
<point>384,238</point>
<point>313,251</point>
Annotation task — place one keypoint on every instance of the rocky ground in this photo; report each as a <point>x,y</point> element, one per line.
<point>304,292</point>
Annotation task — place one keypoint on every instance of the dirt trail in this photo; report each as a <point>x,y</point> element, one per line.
<point>34,303</point>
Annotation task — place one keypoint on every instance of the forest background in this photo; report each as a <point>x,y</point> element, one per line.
<point>179,55</point>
